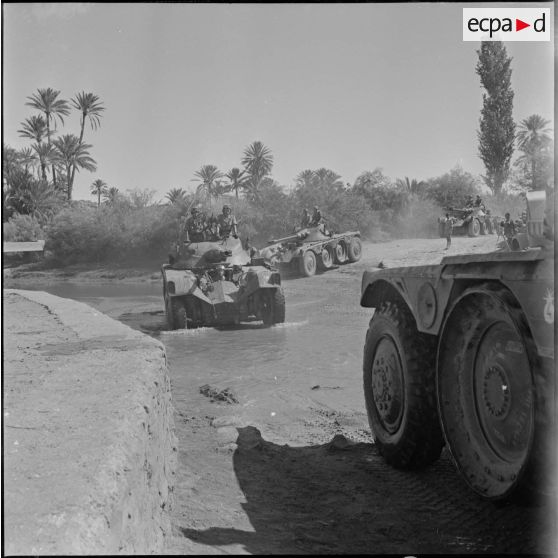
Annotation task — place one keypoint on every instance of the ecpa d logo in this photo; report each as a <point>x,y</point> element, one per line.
<point>506,24</point>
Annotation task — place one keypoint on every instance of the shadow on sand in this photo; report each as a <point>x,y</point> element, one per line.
<point>340,498</point>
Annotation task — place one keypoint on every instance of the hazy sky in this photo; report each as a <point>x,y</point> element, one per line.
<point>349,87</point>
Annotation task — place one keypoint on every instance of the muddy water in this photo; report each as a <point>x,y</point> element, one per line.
<point>313,359</point>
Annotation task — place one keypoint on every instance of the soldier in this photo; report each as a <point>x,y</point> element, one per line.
<point>509,229</point>
<point>448,230</point>
<point>195,226</point>
<point>469,202</point>
<point>306,219</point>
<point>226,223</point>
<point>478,203</point>
<point>316,217</point>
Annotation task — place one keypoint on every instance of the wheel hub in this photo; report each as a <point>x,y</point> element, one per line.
<point>502,389</point>
<point>387,385</point>
<point>496,392</point>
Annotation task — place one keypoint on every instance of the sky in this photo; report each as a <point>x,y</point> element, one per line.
<point>349,87</point>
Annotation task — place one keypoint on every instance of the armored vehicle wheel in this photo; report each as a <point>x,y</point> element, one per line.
<point>273,309</point>
<point>341,252</point>
<point>399,388</point>
<point>474,228</point>
<point>355,249</point>
<point>176,313</point>
<point>308,263</point>
<point>325,260</point>
<point>486,392</point>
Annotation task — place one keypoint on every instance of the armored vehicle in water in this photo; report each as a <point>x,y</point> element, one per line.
<point>471,221</point>
<point>312,249</point>
<point>214,283</point>
<point>463,353</point>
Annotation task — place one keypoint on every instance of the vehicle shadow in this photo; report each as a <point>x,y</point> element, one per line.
<point>341,498</point>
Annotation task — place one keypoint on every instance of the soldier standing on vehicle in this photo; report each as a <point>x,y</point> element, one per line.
<point>448,230</point>
<point>226,223</point>
<point>509,229</point>
<point>195,226</point>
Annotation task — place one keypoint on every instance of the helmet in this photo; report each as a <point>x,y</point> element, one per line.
<point>226,206</point>
<point>316,207</point>
<point>196,209</point>
<point>507,215</point>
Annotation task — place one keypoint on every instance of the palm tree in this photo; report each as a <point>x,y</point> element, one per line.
<point>176,195</point>
<point>533,140</point>
<point>90,107</point>
<point>208,176</point>
<point>27,157</point>
<point>98,188</point>
<point>37,198</point>
<point>111,196</point>
<point>33,128</point>
<point>305,178</point>
<point>258,162</point>
<point>46,100</point>
<point>237,180</point>
<point>46,156</point>
<point>69,153</point>
<point>326,178</point>
<point>412,186</point>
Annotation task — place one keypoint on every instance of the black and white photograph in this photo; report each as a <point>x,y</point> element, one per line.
<point>278,278</point>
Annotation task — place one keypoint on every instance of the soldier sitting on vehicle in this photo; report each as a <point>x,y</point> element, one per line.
<point>470,202</point>
<point>509,229</point>
<point>195,226</point>
<point>478,203</point>
<point>226,223</point>
<point>317,218</point>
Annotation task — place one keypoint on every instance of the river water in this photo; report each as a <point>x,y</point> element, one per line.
<point>314,358</point>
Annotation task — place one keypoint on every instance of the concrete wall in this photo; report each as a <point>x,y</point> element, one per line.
<point>89,443</point>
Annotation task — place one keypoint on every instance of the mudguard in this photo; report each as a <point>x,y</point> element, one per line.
<point>257,278</point>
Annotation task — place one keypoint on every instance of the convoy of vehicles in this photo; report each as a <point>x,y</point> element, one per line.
<point>463,353</point>
<point>218,283</point>
<point>312,249</point>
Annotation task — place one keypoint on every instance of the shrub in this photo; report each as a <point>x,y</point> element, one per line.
<point>22,228</point>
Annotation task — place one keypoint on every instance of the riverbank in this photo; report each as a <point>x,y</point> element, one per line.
<point>393,253</point>
<point>89,443</point>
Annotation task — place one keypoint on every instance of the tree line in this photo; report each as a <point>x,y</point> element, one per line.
<point>38,181</point>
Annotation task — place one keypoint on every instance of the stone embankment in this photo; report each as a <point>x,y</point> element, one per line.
<point>89,442</point>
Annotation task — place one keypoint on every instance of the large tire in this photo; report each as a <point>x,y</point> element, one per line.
<point>273,308</point>
<point>399,388</point>
<point>176,313</point>
<point>354,251</point>
<point>308,263</point>
<point>474,227</point>
<point>325,260</point>
<point>492,417</point>
<point>341,252</point>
